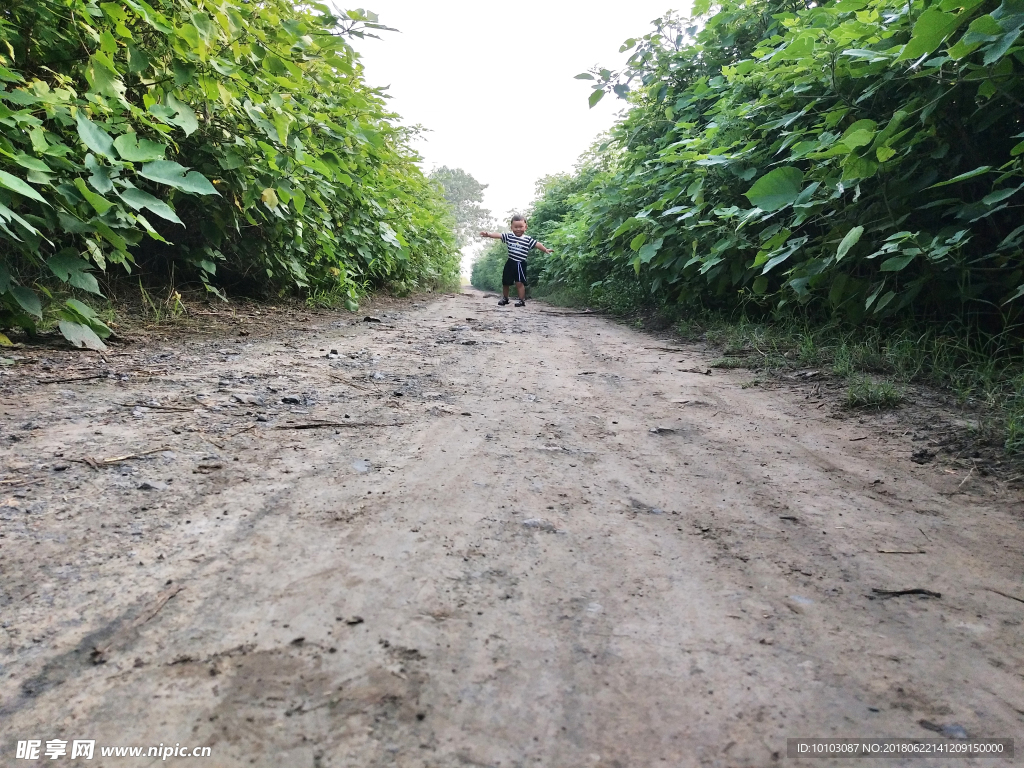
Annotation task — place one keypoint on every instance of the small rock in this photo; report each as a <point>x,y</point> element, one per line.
<point>922,456</point>
<point>152,485</point>
<point>369,319</point>
<point>354,620</point>
<point>261,417</point>
<point>291,400</point>
<point>539,524</point>
<point>950,731</point>
<point>954,731</point>
<point>61,467</point>
<point>662,430</point>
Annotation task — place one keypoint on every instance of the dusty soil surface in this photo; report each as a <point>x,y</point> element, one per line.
<point>482,537</point>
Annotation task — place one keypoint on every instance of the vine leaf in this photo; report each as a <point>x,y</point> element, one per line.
<point>94,137</point>
<point>932,27</point>
<point>81,336</point>
<point>174,175</point>
<point>138,200</point>
<point>134,150</point>
<point>27,300</point>
<point>963,176</point>
<point>776,189</point>
<point>851,239</point>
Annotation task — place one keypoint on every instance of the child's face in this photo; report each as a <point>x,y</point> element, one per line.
<point>518,228</point>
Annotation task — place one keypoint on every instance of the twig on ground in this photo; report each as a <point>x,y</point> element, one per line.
<point>966,478</point>
<point>156,407</point>
<point>901,592</point>
<point>351,384</point>
<point>70,379</point>
<point>327,424</point>
<point>202,436</point>
<point>902,551</point>
<point>98,652</point>
<point>570,314</point>
<point>16,483</point>
<point>236,434</point>
<point>117,459</point>
<point>1005,594</point>
<point>161,601</point>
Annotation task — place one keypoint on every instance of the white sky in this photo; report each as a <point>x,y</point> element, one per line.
<point>494,81</point>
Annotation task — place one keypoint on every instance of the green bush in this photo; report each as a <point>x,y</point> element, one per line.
<point>861,159</point>
<point>235,141</point>
<point>487,268</point>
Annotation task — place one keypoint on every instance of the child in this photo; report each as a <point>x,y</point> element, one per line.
<point>519,246</point>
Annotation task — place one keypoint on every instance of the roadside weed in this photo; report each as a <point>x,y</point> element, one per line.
<point>865,393</point>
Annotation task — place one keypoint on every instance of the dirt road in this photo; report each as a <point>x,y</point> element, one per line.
<point>503,538</point>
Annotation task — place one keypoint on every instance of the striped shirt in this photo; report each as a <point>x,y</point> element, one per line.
<point>518,247</point>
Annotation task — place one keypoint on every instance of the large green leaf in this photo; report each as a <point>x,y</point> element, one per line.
<point>979,171</point>
<point>183,116</point>
<point>99,203</point>
<point>99,176</point>
<point>15,184</point>
<point>648,251</point>
<point>102,76</point>
<point>776,189</point>
<point>80,312</point>
<point>851,239</point>
<point>138,200</point>
<point>31,163</point>
<point>7,215</point>
<point>27,300</point>
<point>174,175</point>
<point>71,268</point>
<point>932,27</point>
<point>81,336</point>
<point>897,263</point>
<point>134,150</point>
<point>94,137</point>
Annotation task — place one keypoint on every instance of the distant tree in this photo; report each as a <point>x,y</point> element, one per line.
<point>464,194</point>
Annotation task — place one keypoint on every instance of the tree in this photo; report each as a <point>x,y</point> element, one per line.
<point>464,194</point>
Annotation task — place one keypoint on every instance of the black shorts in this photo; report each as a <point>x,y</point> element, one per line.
<point>514,272</point>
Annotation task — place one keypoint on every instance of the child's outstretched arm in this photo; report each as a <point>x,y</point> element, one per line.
<point>495,235</point>
<point>541,247</point>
